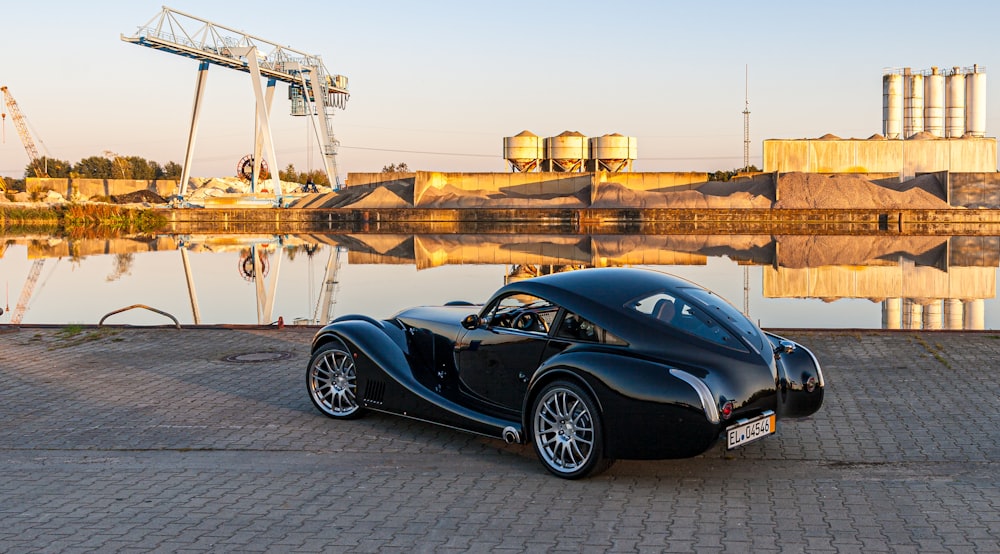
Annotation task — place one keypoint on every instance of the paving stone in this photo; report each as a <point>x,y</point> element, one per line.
<point>139,439</point>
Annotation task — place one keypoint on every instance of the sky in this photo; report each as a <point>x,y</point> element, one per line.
<point>437,84</point>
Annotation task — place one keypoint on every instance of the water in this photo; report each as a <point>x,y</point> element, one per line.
<point>796,281</point>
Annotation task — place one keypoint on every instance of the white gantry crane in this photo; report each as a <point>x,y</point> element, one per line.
<point>313,90</point>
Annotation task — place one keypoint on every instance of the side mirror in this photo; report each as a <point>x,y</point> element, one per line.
<point>784,347</point>
<point>470,322</point>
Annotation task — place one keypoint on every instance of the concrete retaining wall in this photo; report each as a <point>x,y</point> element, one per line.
<point>89,188</point>
<point>905,157</point>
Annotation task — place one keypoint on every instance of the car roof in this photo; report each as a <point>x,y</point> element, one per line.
<point>609,286</point>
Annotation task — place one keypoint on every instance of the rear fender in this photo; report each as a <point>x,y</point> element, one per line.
<point>800,380</point>
<point>646,401</point>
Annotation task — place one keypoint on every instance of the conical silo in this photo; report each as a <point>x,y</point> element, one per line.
<point>524,151</point>
<point>934,103</point>
<point>567,151</point>
<point>975,102</point>
<point>913,104</point>
<point>892,105</point>
<point>613,152</point>
<point>954,124</point>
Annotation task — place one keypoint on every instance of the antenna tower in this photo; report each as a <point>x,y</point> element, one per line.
<point>746,121</point>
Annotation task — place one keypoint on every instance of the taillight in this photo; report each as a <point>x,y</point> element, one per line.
<point>727,410</point>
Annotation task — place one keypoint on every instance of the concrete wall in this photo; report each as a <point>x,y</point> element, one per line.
<point>514,184</point>
<point>906,157</point>
<point>973,190</point>
<point>100,187</point>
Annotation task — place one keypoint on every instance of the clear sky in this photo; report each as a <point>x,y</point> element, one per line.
<point>438,84</point>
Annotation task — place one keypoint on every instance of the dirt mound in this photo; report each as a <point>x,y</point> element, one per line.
<point>813,191</point>
<point>449,196</point>
<point>711,195</point>
<point>382,197</point>
<point>138,197</point>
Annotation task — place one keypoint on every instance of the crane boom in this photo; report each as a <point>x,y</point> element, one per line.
<point>26,292</point>
<point>22,130</point>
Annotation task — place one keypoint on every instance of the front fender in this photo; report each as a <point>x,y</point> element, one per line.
<point>381,356</point>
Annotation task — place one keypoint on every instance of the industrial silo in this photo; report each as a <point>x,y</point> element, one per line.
<point>954,123</point>
<point>892,105</point>
<point>524,151</point>
<point>934,103</point>
<point>913,104</point>
<point>567,151</point>
<point>613,152</point>
<point>975,102</point>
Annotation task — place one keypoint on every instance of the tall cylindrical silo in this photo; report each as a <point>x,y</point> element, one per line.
<point>975,102</point>
<point>613,152</point>
<point>913,105</point>
<point>524,151</point>
<point>934,103</point>
<point>892,105</point>
<point>954,124</point>
<point>567,151</point>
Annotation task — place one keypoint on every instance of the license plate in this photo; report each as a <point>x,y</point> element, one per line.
<point>749,430</point>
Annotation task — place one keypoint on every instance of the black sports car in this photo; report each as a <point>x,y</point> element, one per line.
<point>588,365</point>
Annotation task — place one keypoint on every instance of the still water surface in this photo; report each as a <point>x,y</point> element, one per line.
<point>795,281</point>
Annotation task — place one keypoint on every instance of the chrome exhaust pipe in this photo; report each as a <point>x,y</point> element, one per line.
<point>511,435</point>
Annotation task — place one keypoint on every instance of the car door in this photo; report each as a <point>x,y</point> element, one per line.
<point>496,359</point>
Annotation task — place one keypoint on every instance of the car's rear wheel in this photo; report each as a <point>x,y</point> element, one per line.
<point>566,427</point>
<point>332,381</point>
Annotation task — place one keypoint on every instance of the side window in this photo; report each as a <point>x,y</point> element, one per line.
<point>574,327</point>
<point>682,316</point>
<point>522,312</point>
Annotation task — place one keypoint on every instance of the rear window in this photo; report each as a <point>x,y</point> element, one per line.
<point>683,316</point>
<point>723,310</point>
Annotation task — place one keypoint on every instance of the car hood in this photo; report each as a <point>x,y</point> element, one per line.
<point>442,320</point>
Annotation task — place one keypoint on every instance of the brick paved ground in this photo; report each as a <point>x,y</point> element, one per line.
<point>146,439</point>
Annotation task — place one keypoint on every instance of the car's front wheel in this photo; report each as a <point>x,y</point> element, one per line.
<point>332,381</point>
<point>567,433</point>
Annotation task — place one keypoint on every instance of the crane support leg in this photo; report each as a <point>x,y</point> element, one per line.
<point>258,144</point>
<point>325,128</point>
<point>263,117</point>
<point>193,132</point>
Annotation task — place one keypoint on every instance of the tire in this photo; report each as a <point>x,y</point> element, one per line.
<point>332,381</point>
<point>566,431</point>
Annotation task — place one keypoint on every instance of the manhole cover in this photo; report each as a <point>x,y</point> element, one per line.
<point>257,357</point>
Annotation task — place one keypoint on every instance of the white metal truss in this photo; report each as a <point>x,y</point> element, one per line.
<point>314,91</point>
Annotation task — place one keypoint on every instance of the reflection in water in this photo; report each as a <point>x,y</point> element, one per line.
<point>920,282</point>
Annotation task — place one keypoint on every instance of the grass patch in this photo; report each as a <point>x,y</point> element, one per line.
<point>79,220</point>
<point>935,351</point>
<point>73,335</point>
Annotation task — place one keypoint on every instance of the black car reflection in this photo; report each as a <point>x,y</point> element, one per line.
<point>589,366</point>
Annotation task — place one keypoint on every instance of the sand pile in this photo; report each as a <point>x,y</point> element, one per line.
<point>813,191</point>
<point>741,193</point>
<point>449,196</point>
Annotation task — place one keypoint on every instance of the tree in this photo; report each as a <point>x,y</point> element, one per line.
<point>401,167</point>
<point>172,170</point>
<point>141,168</point>
<point>94,167</point>
<point>57,169</point>
<point>290,175</point>
<point>722,175</point>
